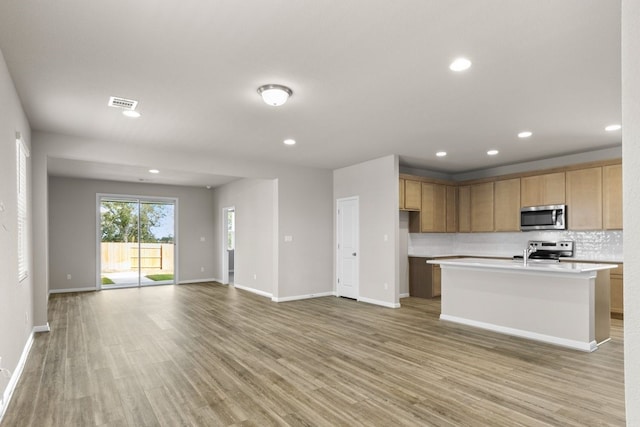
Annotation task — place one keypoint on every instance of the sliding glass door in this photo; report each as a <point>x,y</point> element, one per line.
<point>137,241</point>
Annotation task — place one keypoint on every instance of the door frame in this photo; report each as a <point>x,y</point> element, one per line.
<point>223,241</point>
<point>133,197</point>
<point>338,240</point>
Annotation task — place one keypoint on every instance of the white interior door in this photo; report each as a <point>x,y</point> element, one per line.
<point>228,245</point>
<point>348,267</point>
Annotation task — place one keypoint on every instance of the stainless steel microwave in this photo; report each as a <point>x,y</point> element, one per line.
<point>549,217</point>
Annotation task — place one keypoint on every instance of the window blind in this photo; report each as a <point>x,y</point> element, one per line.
<point>21,168</point>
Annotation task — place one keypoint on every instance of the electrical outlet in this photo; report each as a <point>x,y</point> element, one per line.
<point>386,287</point>
<point>255,277</point>
<point>202,269</point>
<point>0,363</point>
<point>68,277</point>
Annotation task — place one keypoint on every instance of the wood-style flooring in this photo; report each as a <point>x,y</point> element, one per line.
<point>211,355</point>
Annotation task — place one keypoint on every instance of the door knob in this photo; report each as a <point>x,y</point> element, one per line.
<point>354,254</point>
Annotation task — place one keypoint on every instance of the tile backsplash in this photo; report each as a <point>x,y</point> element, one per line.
<point>597,245</point>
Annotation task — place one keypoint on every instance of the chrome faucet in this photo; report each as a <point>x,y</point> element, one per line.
<point>527,253</point>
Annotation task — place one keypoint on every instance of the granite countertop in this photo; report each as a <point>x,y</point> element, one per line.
<point>507,264</point>
<point>604,258</point>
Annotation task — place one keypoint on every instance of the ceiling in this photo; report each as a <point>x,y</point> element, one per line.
<point>369,78</point>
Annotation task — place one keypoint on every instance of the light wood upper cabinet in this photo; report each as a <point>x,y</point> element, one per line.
<point>538,190</point>
<point>592,193</point>
<point>452,209</point>
<point>464,209</point>
<point>612,196</point>
<point>433,214</point>
<point>584,199</point>
<point>412,195</point>
<point>507,205</point>
<point>482,207</point>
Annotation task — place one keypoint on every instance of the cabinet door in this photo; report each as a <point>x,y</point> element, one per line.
<point>482,207</point>
<point>464,209</point>
<point>617,298</point>
<point>437,281</point>
<point>452,209</point>
<point>507,205</point>
<point>584,199</point>
<point>547,189</point>
<point>433,213</point>
<point>401,194</point>
<point>612,196</point>
<point>420,278</point>
<point>412,198</point>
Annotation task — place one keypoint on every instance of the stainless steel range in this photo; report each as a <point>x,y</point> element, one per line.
<point>548,251</point>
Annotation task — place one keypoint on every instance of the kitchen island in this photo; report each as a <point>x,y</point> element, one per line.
<point>565,304</point>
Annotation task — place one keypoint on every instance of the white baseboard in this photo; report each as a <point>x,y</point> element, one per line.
<point>42,328</point>
<point>378,302</point>
<point>563,342</point>
<point>186,282</point>
<point>252,290</point>
<point>15,377</point>
<point>70,290</point>
<point>299,297</point>
<point>404,295</point>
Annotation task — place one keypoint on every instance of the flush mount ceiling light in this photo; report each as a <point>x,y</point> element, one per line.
<point>612,128</point>
<point>289,141</point>
<point>460,64</point>
<point>441,153</point>
<point>275,95</point>
<point>492,152</point>
<point>525,134</point>
<point>154,171</point>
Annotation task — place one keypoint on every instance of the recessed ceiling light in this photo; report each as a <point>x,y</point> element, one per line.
<point>441,153</point>
<point>525,134</point>
<point>460,64</point>
<point>275,95</point>
<point>611,128</point>
<point>131,113</point>
<point>492,152</point>
<point>154,171</point>
<point>289,141</point>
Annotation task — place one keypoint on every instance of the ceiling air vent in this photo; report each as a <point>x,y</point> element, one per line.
<point>118,102</point>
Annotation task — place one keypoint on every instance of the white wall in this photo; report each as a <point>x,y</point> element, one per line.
<point>255,209</point>
<point>376,184</point>
<point>16,310</point>
<point>297,204</point>
<point>305,214</point>
<point>631,188</point>
<point>72,229</point>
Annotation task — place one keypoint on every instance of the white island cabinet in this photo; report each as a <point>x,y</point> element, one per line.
<point>565,304</point>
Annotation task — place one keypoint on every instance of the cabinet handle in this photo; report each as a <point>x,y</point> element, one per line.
<point>354,254</point>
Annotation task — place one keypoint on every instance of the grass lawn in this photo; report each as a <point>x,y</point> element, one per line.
<point>159,277</point>
<point>107,281</point>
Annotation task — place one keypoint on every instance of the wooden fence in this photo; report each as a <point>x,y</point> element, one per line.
<point>153,257</point>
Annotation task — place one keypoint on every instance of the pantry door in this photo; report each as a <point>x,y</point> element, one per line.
<point>348,266</point>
